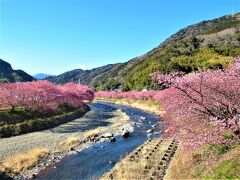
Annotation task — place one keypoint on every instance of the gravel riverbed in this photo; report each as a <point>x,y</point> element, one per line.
<point>50,138</point>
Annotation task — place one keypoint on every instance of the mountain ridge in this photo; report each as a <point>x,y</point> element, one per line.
<point>218,38</point>
<point>8,74</point>
<point>79,75</point>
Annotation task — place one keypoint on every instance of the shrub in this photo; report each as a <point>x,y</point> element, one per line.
<point>221,149</point>
<point>197,157</point>
<point>238,36</point>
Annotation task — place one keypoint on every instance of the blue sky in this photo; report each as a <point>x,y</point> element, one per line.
<point>54,36</point>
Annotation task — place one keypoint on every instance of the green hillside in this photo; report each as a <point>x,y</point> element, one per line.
<point>208,44</point>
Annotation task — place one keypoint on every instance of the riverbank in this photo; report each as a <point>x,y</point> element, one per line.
<point>93,162</point>
<point>218,160</point>
<point>148,161</point>
<point>19,121</point>
<point>63,140</point>
<point>147,105</point>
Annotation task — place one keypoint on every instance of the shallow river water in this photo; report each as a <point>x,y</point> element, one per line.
<point>94,161</point>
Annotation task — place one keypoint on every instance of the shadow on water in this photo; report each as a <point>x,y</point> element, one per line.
<point>3,176</point>
<point>94,161</point>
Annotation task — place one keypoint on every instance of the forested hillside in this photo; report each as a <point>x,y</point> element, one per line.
<point>208,44</point>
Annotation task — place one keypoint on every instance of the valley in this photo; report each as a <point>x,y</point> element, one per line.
<point>171,113</point>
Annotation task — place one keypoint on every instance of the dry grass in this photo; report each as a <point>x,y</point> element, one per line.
<point>146,105</point>
<point>2,168</point>
<point>71,142</point>
<point>132,171</point>
<point>123,116</point>
<point>128,171</point>
<point>180,168</point>
<point>23,161</point>
<point>93,132</point>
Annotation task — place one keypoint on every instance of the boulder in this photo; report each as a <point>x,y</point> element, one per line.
<point>153,126</point>
<point>107,135</point>
<point>149,131</point>
<point>113,139</point>
<point>134,123</point>
<point>92,139</point>
<point>125,133</point>
<point>71,149</point>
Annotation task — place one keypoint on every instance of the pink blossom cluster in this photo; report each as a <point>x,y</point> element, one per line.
<point>43,95</point>
<point>210,96</point>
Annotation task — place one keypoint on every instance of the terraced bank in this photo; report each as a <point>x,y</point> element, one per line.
<point>149,161</point>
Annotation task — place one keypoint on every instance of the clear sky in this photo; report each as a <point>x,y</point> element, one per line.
<point>54,36</point>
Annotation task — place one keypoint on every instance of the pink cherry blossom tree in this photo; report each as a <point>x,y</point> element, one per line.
<point>210,96</point>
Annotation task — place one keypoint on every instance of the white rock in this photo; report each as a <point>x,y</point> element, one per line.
<point>149,131</point>
<point>107,135</point>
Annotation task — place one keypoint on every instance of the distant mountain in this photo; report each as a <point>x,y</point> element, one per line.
<point>208,44</point>
<point>7,74</point>
<point>82,76</point>
<point>41,76</point>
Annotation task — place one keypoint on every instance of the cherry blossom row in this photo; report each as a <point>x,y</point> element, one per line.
<point>43,95</point>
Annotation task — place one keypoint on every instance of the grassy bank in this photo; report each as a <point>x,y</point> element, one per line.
<point>148,105</point>
<point>211,163</point>
<point>18,122</point>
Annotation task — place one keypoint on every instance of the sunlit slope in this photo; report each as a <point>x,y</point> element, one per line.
<point>208,44</point>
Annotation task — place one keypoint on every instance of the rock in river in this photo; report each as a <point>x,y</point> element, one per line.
<point>71,149</point>
<point>112,139</point>
<point>125,133</point>
<point>149,131</point>
<point>107,135</point>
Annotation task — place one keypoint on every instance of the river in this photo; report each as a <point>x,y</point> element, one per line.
<point>93,162</point>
